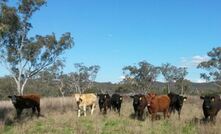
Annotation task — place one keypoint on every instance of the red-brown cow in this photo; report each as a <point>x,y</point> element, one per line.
<point>26,101</point>
<point>157,104</point>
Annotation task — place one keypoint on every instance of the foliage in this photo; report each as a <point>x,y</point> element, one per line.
<point>83,77</point>
<point>172,74</point>
<point>142,76</point>
<point>25,56</point>
<point>213,66</point>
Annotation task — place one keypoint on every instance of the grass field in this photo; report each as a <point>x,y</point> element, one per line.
<point>60,117</point>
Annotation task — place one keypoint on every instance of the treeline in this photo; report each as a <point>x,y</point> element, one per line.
<point>51,88</point>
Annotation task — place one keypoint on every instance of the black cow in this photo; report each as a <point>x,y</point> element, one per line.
<point>139,104</point>
<point>26,101</point>
<point>116,101</point>
<point>104,102</point>
<point>176,102</point>
<point>211,106</point>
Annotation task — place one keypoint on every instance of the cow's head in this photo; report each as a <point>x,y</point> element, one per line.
<point>78,98</point>
<point>136,99</point>
<point>103,98</point>
<point>150,97</point>
<point>14,98</point>
<point>119,100</point>
<point>208,101</point>
<point>181,99</point>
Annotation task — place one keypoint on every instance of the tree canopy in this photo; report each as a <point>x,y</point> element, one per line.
<point>25,56</point>
<point>142,75</point>
<point>212,66</point>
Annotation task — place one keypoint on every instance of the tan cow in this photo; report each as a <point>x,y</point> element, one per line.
<point>84,101</point>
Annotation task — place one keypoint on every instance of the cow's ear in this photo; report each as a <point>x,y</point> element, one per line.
<point>105,96</point>
<point>213,99</point>
<point>80,99</point>
<point>202,97</point>
<point>140,98</point>
<point>9,96</point>
<point>131,96</point>
<point>121,98</point>
<point>184,98</point>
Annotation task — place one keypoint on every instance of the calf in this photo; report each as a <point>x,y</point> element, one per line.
<point>26,101</point>
<point>139,104</point>
<point>176,102</point>
<point>116,101</point>
<point>84,101</point>
<point>157,104</point>
<point>104,102</point>
<point>211,106</point>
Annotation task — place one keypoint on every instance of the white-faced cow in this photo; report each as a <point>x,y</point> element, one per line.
<point>84,101</point>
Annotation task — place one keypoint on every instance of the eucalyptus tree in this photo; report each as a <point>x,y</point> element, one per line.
<point>25,56</point>
<point>83,77</point>
<point>169,73</point>
<point>141,76</point>
<point>181,82</point>
<point>172,73</point>
<point>212,66</point>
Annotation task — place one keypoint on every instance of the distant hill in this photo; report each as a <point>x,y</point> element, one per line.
<point>45,88</point>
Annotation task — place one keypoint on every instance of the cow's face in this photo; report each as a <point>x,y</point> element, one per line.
<point>14,98</point>
<point>136,99</point>
<point>102,98</point>
<point>78,98</point>
<point>208,101</point>
<point>150,97</point>
<point>181,100</point>
<point>119,100</point>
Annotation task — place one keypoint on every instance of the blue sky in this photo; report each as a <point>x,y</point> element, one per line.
<point>116,33</point>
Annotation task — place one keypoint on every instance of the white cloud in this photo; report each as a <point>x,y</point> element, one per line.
<point>193,61</point>
<point>198,59</point>
<point>200,81</point>
<point>122,77</point>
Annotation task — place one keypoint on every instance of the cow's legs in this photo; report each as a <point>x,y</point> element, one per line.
<point>179,111</point>
<point>140,116</point>
<point>85,110</point>
<point>79,112</point>
<point>92,108</point>
<point>105,109</point>
<point>19,111</point>
<point>153,116</point>
<point>38,109</point>
<point>118,110</point>
<point>33,110</point>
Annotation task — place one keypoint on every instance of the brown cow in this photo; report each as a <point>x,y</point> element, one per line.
<point>26,101</point>
<point>157,104</point>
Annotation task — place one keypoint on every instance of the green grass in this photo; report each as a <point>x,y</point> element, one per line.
<point>58,122</point>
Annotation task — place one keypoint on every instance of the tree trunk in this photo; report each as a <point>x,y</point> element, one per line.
<point>182,87</point>
<point>168,87</point>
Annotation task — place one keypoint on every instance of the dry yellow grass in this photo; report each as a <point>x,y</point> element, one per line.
<point>61,118</point>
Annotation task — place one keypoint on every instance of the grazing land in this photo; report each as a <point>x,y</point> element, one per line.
<point>60,117</point>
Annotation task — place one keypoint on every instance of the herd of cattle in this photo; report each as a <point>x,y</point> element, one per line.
<point>153,103</point>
